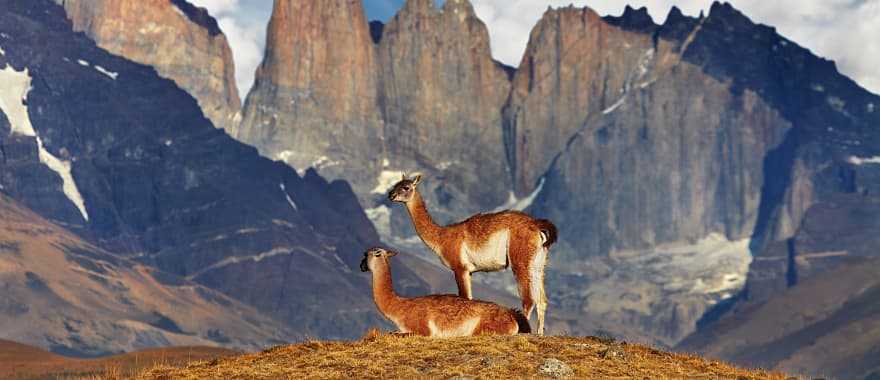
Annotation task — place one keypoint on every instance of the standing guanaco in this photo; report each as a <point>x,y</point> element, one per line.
<point>486,243</point>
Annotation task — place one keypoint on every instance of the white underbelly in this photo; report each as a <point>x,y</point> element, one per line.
<point>400,326</point>
<point>465,328</point>
<point>489,257</point>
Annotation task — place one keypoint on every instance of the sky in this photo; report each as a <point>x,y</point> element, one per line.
<point>845,31</point>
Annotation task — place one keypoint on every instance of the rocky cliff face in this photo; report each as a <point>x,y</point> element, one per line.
<point>108,149</point>
<point>369,102</point>
<point>314,101</point>
<point>440,96</point>
<point>640,153</point>
<point>182,42</point>
<point>644,144</point>
<point>661,134</point>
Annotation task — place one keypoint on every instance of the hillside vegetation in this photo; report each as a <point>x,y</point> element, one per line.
<point>20,361</point>
<point>523,356</point>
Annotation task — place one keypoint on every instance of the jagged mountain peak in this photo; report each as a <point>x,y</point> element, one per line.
<point>724,9</point>
<point>633,19</point>
<point>417,6</point>
<point>419,9</point>
<point>198,15</point>
<point>674,15</point>
<point>570,11</point>
<point>456,6</point>
<point>633,13</point>
<point>677,25</point>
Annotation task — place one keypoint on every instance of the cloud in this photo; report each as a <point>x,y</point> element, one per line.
<point>842,30</point>
<point>245,29</point>
<point>217,7</point>
<point>247,43</point>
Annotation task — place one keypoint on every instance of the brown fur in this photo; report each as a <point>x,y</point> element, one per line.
<point>446,312</point>
<point>526,237</point>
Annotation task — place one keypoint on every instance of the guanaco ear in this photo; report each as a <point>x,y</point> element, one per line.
<point>402,174</point>
<point>416,179</point>
<point>391,253</point>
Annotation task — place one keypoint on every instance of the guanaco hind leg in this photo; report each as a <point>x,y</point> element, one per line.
<point>520,256</point>
<point>463,280</point>
<point>536,272</point>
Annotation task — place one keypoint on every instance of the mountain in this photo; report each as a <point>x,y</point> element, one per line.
<point>109,150</point>
<point>368,103</point>
<point>440,93</point>
<point>670,155</point>
<point>786,133</point>
<point>181,41</point>
<point>826,326</point>
<point>818,315</point>
<point>314,100</point>
<point>65,294</point>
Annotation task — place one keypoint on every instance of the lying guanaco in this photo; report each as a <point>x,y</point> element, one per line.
<point>437,315</point>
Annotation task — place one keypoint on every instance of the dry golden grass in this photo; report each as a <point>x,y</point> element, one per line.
<point>19,361</point>
<point>390,356</point>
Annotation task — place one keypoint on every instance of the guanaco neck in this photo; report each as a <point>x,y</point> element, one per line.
<point>383,291</point>
<point>424,224</point>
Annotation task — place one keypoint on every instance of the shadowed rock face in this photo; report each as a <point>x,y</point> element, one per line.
<point>182,42</point>
<point>164,187</point>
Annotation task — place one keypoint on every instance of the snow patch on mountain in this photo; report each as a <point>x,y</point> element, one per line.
<point>63,168</point>
<point>614,106</point>
<point>711,266</point>
<point>863,160</point>
<point>238,259</point>
<point>520,204</point>
<point>645,61</point>
<point>286,195</point>
<point>106,72</point>
<point>14,88</point>
<point>683,276</point>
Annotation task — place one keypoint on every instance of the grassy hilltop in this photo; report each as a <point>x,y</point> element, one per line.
<point>524,356</point>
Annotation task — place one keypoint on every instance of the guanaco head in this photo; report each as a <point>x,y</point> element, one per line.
<point>372,256</point>
<point>404,190</point>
